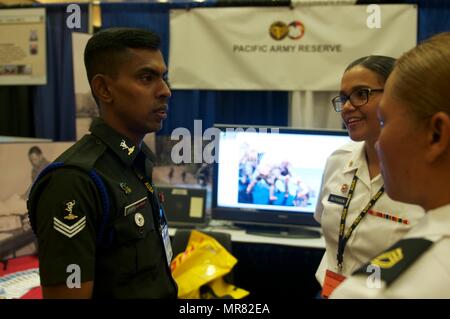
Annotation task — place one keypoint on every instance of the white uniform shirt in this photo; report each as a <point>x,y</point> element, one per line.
<point>373,234</point>
<point>427,277</point>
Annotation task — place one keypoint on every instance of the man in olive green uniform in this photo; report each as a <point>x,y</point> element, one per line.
<point>100,228</point>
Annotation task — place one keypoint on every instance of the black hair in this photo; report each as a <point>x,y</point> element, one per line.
<point>34,150</point>
<point>105,50</point>
<point>379,64</point>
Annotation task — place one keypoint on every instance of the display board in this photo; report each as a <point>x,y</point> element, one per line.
<point>22,47</point>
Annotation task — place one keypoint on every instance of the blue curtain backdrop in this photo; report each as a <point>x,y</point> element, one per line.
<point>54,103</point>
<point>231,107</point>
<point>434,17</point>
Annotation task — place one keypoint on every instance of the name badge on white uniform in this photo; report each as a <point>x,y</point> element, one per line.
<point>337,199</point>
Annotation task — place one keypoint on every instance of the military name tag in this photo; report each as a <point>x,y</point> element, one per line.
<point>134,207</point>
<point>167,245</point>
<point>337,199</point>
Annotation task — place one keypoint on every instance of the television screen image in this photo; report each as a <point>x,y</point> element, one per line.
<point>271,177</point>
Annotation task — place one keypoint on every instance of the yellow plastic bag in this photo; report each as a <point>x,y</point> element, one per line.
<point>204,261</point>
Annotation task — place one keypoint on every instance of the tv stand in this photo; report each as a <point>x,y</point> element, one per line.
<point>279,231</point>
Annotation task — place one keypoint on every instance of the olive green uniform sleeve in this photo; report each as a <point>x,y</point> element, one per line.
<point>66,219</point>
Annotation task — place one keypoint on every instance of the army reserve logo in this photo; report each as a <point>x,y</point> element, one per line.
<point>278,30</point>
<point>388,259</point>
<point>124,146</point>
<point>69,228</point>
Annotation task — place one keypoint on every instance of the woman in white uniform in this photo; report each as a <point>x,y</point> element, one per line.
<point>414,149</point>
<point>358,219</point>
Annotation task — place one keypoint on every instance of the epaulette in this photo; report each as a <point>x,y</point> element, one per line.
<point>76,155</point>
<point>395,260</point>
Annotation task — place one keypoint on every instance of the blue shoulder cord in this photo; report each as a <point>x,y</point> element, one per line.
<point>103,197</point>
<point>105,205</point>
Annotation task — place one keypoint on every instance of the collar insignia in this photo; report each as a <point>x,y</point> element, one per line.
<point>126,147</point>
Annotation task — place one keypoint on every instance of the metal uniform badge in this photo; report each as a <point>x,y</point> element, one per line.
<point>139,219</point>
<point>125,188</point>
<point>124,146</point>
<point>344,188</point>
<point>67,228</point>
<point>69,207</point>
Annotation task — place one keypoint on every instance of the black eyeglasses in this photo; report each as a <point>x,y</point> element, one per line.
<point>357,98</point>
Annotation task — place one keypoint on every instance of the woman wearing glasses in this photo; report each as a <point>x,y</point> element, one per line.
<point>358,219</point>
<point>414,149</point>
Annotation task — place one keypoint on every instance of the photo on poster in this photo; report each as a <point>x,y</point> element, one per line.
<point>23,47</point>
<point>24,162</point>
<point>187,173</point>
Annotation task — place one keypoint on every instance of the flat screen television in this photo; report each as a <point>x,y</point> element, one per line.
<point>268,180</point>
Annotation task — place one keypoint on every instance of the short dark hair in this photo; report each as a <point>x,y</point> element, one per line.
<point>379,64</point>
<point>34,150</point>
<point>105,50</point>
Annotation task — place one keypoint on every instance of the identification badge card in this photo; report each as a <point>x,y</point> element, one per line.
<point>134,207</point>
<point>167,245</point>
<point>332,281</point>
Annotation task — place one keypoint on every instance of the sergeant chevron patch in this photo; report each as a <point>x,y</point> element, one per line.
<point>66,230</point>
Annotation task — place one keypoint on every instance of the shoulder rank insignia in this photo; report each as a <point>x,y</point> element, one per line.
<point>394,261</point>
<point>126,147</point>
<point>388,259</point>
<point>68,226</point>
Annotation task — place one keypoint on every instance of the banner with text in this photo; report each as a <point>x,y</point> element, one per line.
<point>306,48</point>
